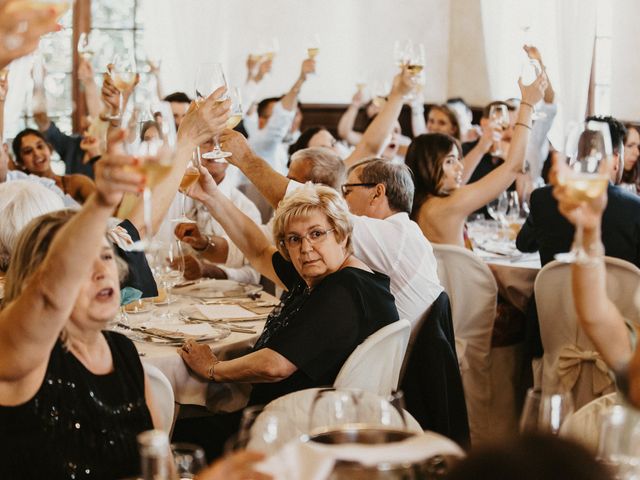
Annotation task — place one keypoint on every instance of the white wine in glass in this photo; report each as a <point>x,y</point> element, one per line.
<point>209,78</point>
<point>499,118</point>
<point>123,75</point>
<point>588,149</point>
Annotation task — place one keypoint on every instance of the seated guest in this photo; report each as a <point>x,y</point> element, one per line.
<point>210,238</point>
<point>20,202</point>
<point>72,396</point>
<point>317,165</point>
<point>630,176</point>
<point>440,119</point>
<point>179,102</point>
<point>315,137</point>
<point>150,131</point>
<point>329,290</point>
<point>548,232</point>
<point>379,194</point>
<point>33,155</point>
<point>468,131</point>
<point>442,203</point>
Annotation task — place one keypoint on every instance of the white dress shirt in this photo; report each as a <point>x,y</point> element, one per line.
<point>397,247</point>
<point>236,267</point>
<point>266,141</point>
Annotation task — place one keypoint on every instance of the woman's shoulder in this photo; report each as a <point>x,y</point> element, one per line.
<point>355,278</point>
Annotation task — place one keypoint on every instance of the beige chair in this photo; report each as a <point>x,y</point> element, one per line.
<point>583,426</point>
<point>375,364</point>
<point>163,397</point>
<point>570,360</point>
<point>473,292</point>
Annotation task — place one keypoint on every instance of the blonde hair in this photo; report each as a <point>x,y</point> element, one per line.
<point>31,249</point>
<point>305,201</point>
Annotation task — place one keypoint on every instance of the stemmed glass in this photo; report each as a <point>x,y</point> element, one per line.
<point>155,159</point>
<point>545,412</point>
<point>263,429</point>
<point>380,92</point>
<point>416,60</point>
<point>85,46</point>
<point>499,118</point>
<point>313,45</point>
<point>210,77</point>
<point>191,175</point>
<point>619,441</point>
<point>498,208</point>
<point>188,459</point>
<point>236,109</point>
<point>588,149</point>
<point>168,265</point>
<point>529,71</point>
<point>123,74</point>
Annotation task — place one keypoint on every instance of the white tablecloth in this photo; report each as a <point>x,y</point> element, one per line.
<point>188,388</point>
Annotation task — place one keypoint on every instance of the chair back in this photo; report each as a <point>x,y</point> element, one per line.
<point>570,360</point>
<point>473,294</point>
<point>375,364</point>
<point>163,397</point>
<point>583,426</point>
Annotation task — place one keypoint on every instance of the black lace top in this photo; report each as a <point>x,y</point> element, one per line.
<point>78,425</point>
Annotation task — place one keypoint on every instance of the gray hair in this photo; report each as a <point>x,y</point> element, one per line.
<point>396,178</point>
<point>20,202</point>
<point>327,167</point>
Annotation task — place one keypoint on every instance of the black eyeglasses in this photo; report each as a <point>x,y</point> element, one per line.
<point>345,187</point>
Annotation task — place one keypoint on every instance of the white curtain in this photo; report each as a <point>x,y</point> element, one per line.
<point>564,31</point>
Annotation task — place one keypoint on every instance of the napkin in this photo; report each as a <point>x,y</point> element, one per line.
<point>129,294</point>
<point>216,312</point>
<point>182,330</point>
<point>315,461</point>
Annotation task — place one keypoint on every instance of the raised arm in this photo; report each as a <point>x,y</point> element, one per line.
<point>375,136</point>
<point>91,92</point>
<point>242,231</point>
<point>271,184</point>
<point>200,124</point>
<point>469,198</point>
<point>473,157</point>
<point>33,319</point>
<point>4,91</point>
<point>597,314</point>
<point>348,120</point>
<point>289,101</point>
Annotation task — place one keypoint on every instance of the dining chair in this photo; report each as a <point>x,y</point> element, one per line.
<point>473,294</point>
<point>163,397</point>
<point>583,425</point>
<point>375,364</point>
<point>570,361</point>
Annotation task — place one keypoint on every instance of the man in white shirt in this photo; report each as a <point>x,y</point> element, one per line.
<point>217,257</point>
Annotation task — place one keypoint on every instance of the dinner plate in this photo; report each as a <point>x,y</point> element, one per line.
<point>194,313</point>
<point>213,288</point>
<point>175,334</point>
<point>138,307</point>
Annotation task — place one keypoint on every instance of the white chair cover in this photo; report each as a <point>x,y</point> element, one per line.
<point>584,425</point>
<point>163,398</point>
<point>375,364</point>
<point>473,292</point>
<point>570,360</point>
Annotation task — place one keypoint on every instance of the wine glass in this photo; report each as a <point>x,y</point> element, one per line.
<point>545,412</point>
<point>123,74</point>
<point>210,77</point>
<point>191,176</point>
<point>529,71</point>
<point>236,109</point>
<point>168,266</point>
<point>188,459</point>
<point>313,45</point>
<point>263,429</point>
<point>588,149</point>
<point>85,46</point>
<point>402,52</point>
<point>499,118</point>
<point>619,441</point>
<point>513,207</point>
<point>155,160</point>
<point>380,91</point>
<point>332,408</point>
<point>416,61</point>
<point>498,207</point>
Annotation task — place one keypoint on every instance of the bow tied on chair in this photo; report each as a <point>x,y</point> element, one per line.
<point>570,364</point>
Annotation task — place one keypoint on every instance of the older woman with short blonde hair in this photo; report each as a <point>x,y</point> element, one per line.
<point>333,300</point>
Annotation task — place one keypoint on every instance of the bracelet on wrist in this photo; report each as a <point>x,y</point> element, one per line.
<point>527,104</point>
<point>211,372</point>
<point>523,125</point>
<point>208,239</point>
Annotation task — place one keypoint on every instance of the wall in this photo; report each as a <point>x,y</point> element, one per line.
<point>625,98</point>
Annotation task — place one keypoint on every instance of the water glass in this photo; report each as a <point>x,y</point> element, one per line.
<point>545,412</point>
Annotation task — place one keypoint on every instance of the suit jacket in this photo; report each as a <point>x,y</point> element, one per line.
<point>549,232</point>
<point>432,384</point>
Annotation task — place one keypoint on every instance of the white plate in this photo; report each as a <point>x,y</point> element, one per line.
<point>213,288</point>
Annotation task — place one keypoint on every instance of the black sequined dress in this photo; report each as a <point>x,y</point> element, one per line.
<point>78,425</point>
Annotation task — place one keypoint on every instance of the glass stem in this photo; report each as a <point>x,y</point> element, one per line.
<point>121,112</point>
<point>579,242</point>
<point>216,143</point>
<point>148,213</point>
<point>184,206</point>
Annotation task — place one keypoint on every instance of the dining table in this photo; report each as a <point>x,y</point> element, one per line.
<point>515,272</point>
<point>197,311</point>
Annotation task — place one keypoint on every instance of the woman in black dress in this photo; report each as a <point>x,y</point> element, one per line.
<point>72,397</point>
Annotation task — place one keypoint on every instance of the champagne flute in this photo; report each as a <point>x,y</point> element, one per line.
<point>124,76</point>
<point>313,45</point>
<point>588,149</point>
<point>499,118</point>
<point>85,46</point>
<point>210,77</point>
<point>545,412</point>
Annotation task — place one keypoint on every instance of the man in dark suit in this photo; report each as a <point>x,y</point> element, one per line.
<point>549,232</point>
